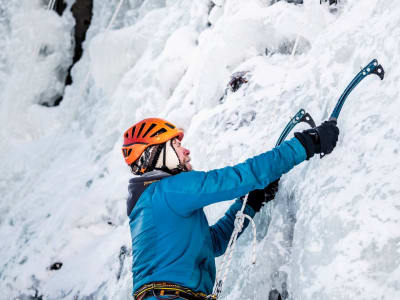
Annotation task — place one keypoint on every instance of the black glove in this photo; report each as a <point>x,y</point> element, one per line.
<point>257,198</point>
<point>321,139</point>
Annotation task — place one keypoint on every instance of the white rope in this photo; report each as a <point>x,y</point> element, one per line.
<point>227,259</point>
<point>37,46</point>
<point>115,14</point>
<point>36,50</point>
<point>112,20</point>
<point>240,217</point>
<point>290,59</point>
<point>254,228</point>
<point>51,4</point>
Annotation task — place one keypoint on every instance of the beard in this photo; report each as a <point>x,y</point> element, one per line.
<point>186,167</point>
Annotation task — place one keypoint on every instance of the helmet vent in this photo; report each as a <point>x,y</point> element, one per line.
<point>148,130</point>
<point>133,131</point>
<point>140,130</point>
<point>170,125</point>
<point>127,152</point>
<point>161,131</point>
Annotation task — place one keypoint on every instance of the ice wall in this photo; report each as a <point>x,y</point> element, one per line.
<point>334,226</point>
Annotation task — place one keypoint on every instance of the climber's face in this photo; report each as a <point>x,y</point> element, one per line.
<point>183,154</point>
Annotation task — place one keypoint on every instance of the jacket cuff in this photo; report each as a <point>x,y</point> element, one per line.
<point>307,142</point>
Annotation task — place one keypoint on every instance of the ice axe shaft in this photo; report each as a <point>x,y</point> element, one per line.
<point>372,68</point>
<point>300,116</point>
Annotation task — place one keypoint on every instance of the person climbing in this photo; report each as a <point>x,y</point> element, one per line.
<point>173,246</point>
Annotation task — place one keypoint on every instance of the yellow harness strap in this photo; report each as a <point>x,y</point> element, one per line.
<point>166,286</point>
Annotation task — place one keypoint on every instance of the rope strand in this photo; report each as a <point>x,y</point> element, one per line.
<point>50,6</point>
<point>226,262</point>
<point>112,20</point>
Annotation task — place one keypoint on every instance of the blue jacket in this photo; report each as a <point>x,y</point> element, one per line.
<point>171,238</point>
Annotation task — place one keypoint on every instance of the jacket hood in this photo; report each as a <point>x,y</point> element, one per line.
<point>138,184</point>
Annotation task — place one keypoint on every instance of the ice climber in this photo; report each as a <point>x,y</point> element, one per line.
<point>173,246</point>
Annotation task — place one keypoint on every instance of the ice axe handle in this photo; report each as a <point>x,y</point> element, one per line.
<point>333,119</point>
<point>372,68</point>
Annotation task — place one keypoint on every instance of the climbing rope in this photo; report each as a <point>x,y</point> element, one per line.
<point>226,262</point>
<point>117,9</point>
<point>290,59</point>
<point>112,20</point>
<point>240,218</point>
<point>37,46</point>
<point>23,192</point>
<point>51,4</point>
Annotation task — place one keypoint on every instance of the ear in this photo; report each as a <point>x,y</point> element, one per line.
<point>174,141</point>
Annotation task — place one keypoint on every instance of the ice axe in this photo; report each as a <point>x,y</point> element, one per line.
<point>372,68</point>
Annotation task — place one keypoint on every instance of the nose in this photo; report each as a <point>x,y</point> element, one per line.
<point>186,151</point>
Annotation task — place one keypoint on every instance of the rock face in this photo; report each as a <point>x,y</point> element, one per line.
<point>60,6</point>
<point>82,12</point>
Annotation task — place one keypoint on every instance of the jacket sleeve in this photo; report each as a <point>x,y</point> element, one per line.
<point>222,230</point>
<point>189,191</point>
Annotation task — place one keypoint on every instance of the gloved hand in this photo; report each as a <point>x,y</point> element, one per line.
<point>321,139</point>
<point>257,198</point>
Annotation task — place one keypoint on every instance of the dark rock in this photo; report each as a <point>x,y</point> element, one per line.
<point>329,1</point>
<point>122,254</point>
<point>60,6</point>
<point>289,1</point>
<point>237,80</point>
<point>274,295</point>
<point>82,12</point>
<point>56,266</point>
<point>23,260</point>
<point>89,183</point>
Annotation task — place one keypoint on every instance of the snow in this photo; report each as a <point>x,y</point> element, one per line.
<point>333,229</point>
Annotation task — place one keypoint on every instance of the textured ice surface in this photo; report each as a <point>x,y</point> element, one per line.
<point>334,226</point>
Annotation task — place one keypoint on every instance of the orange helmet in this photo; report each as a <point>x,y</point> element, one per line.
<point>146,133</point>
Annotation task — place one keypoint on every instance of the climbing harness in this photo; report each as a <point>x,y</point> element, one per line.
<point>156,289</point>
